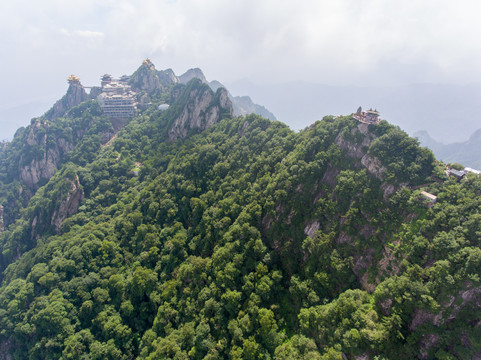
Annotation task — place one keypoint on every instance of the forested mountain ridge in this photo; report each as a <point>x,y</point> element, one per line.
<point>196,237</point>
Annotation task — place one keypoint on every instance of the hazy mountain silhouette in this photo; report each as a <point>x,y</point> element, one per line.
<point>449,112</point>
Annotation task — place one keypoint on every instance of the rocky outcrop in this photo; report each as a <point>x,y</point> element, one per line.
<point>2,222</point>
<point>373,165</point>
<point>95,92</point>
<point>311,228</point>
<point>167,77</point>
<point>75,95</point>
<point>42,162</point>
<point>190,74</point>
<point>69,204</point>
<point>66,203</point>
<point>356,149</point>
<point>202,109</point>
<point>146,78</point>
<point>449,310</point>
<point>242,105</point>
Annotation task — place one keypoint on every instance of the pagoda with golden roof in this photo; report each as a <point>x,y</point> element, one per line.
<point>72,79</point>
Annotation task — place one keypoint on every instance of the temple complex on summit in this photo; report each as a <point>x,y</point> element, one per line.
<point>368,117</point>
<point>116,97</point>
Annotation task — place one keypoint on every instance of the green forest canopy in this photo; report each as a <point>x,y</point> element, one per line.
<point>244,241</point>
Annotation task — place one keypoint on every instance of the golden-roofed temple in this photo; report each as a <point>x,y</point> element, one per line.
<point>73,79</point>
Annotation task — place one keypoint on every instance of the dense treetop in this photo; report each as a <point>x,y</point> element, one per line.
<point>242,241</point>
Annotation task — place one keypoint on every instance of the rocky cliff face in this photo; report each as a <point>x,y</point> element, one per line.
<point>75,95</point>
<point>190,74</point>
<point>2,223</point>
<point>202,109</point>
<point>167,77</point>
<point>242,105</point>
<point>358,150</point>
<point>95,92</point>
<point>146,78</point>
<point>42,163</point>
<point>68,204</point>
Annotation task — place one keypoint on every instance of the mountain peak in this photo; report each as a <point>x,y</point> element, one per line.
<point>147,63</point>
<point>145,78</point>
<point>75,95</point>
<point>201,108</point>
<point>191,74</point>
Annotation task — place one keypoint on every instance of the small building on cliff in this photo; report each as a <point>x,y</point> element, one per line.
<point>430,198</point>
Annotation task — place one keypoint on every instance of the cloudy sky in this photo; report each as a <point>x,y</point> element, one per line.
<point>337,42</point>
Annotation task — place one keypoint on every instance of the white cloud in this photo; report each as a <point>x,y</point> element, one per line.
<point>89,34</point>
<point>333,41</point>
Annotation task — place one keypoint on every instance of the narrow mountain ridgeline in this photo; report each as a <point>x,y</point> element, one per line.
<point>194,234</point>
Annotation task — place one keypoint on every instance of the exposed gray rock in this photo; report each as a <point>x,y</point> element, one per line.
<point>214,85</point>
<point>244,105</point>
<point>364,356</point>
<point>427,341</point>
<point>224,101</point>
<point>373,165</point>
<point>2,223</point>
<point>167,77</point>
<point>311,228</point>
<point>330,175</point>
<point>69,204</point>
<point>3,145</point>
<point>200,112</point>
<point>95,92</point>
<point>145,78</point>
<point>356,150</point>
<point>43,165</point>
<point>344,238</point>
<point>387,189</point>
<point>190,74</point>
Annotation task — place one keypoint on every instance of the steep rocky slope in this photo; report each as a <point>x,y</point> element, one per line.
<point>202,109</point>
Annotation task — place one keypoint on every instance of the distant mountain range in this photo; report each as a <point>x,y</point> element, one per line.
<point>451,113</point>
<point>467,153</point>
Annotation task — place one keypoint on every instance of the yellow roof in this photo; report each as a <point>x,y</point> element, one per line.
<point>73,78</point>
